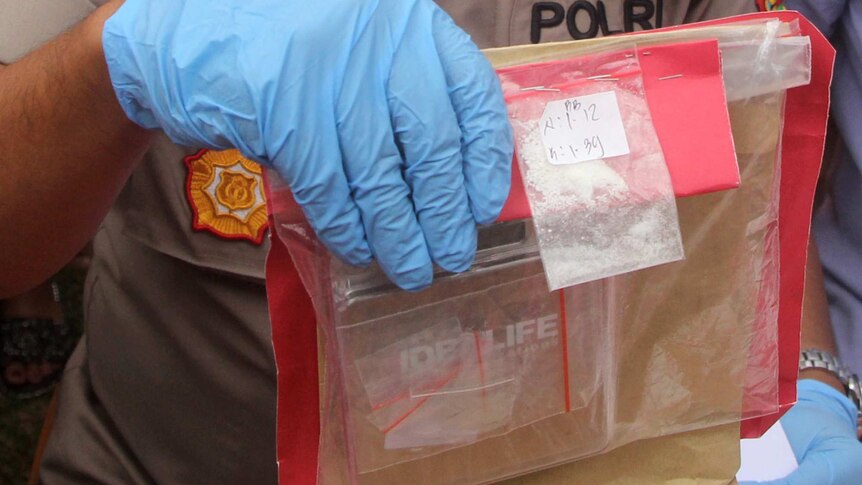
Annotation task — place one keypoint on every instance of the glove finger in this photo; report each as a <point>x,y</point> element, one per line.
<point>477,98</point>
<point>427,130</point>
<point>373,165</point>
<point>314,172</point>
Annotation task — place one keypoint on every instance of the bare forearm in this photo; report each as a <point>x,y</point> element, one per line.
<point>816,327</point>
<point>66,149</point>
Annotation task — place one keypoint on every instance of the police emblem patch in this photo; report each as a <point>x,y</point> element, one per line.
<point>226,195</point>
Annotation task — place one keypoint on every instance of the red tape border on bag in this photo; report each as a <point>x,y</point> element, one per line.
<point>294,339</point>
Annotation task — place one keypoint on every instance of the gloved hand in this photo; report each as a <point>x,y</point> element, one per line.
<point>382,116</point>
<point>821,428</point>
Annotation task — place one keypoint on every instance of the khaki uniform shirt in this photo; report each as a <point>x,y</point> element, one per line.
<point>175,381</point>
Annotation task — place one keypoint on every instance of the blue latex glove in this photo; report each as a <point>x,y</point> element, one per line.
<point>821,428</point>
<point>382,115</point>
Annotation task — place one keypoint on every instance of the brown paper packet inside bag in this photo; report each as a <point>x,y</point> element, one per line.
<point>707,456</point>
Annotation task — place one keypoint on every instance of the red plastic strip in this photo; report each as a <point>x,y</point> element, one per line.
<point>564,334</point>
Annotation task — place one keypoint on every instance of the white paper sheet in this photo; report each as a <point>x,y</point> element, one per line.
<point>769,457</point>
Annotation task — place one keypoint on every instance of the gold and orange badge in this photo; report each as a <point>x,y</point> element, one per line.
<point>225,191</point>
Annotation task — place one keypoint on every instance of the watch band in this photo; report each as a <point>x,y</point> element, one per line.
<point>819,359</point>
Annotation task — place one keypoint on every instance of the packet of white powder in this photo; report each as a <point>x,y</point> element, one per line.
<point>594,172</point>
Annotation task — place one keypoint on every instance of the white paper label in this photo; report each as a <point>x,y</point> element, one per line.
<point>583,128</point>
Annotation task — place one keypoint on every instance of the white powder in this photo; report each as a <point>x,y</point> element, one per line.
<point>604,217</point>
<point>561,186</point>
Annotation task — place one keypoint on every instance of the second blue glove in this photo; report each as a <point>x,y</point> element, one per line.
<point>821,428</point>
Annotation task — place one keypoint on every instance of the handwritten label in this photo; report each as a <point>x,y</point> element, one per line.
<point>584,128</point>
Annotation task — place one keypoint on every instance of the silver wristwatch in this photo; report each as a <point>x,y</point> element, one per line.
<point>818,359</point>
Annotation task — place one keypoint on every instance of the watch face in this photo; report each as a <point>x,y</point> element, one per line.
<point>33,353</point>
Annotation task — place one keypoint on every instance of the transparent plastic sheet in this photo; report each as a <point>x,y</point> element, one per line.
<point>731,242</point>
<point>475,356</point>
<point>765,112</point>
<point>613,212</point>
<point>436,399</point>
<point>759,31</point>
<point>658,351</point>
<point>760,61</point>
<point>786,64</point>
